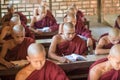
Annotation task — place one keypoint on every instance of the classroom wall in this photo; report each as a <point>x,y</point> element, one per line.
<point>89,7</point>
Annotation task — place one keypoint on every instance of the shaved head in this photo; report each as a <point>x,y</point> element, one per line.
<point>68,25</point>
<point>36,49</point>
<point>10,6</point>
<point>42,8</point>
<point>18,29</point>
<point>71,10</point>
<point>71,16</point>
<point>114,32</point>
<point>15,19</point>
<point>115,50</point>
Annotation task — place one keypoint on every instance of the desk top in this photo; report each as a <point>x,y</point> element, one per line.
<point>64,66</point>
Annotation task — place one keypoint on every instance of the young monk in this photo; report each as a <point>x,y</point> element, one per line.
<point>107,41</point>
<point>66,43</point>
<point>107,68</point>
<point>8,16</point>
<point>39,68</point>
<point>79,29</point>
<point>16,48</point>
<point>117,22</point>
<point>79,14</point>
<point>41,20</point>
<point>6,30</point>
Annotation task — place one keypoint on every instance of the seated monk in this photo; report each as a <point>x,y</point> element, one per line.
<point>39,68</point>
<point>83,32</point>
<point>6,30</point>
<point>43,21</point>
<point>117,22</point>
<point>79,14</point>
<point>107,41</point>
<point>66,43</point>
<point>107,68</point>
<point>16,48</point>
<point>8,16</point>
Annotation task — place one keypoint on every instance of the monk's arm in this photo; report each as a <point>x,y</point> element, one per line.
<point>32,24</point>
<point>52,50</point>
<point>3,53</point>
<point>94,74</point>
<point>3,33</point>
<point>20,76</point>
<point>60,28</point>
<point>99,48</point>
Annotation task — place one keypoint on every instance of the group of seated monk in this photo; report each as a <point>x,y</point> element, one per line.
<point>18,43</point>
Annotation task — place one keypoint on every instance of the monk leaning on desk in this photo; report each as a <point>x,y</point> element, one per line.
<point>66,43</point>
<point>16,48</point>
<point>6,30</point>
<point>107,68</point>
<point>39,68</point>
<point>43,21</point>
<point>107,41</point>
<point>7,17</point>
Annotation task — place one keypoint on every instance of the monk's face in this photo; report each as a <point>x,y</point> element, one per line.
<point>72,20</point>
<point>115,62</point>
<point>42,13</point>
<point>69,33</point>
<point>11,10</point>
<point>18,37</point>
<point>37,61</point>
<point>114,40</point>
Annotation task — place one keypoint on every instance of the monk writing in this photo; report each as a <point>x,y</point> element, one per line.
<point>66,43</point>
<point>107,68</point>
<point>83,32</point>
<point>16,48</point>
<point>39,68</point>
<point>107,41</point>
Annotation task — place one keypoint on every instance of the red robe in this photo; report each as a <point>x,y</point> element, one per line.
<point>49,71</point>
<point>108,46</point>
<point>76,45</point>
<point>47,21</point>
<point>110,75</point>
<point>7,17</point>
<point>20,51</point>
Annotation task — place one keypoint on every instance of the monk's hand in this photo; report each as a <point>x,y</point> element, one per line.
<point>38,31</point>
<point>89,42</point>
<point>64,60</point>
<point>9,64</point>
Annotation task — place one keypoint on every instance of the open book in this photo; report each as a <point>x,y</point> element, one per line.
<point>75,57</point>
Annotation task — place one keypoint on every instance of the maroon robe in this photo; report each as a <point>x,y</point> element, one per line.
<point>28,33</point>
<point>110,75</point>
<point>49,71</point>
<point>47,21</point>
<point>108,46</point>
<point>76,45</point>
<point>7,17</point>
<point>20,51</point>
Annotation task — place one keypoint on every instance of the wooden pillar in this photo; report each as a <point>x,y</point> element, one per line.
<point>99,10</point>
<point>50,5</point>
<point>0,10</point>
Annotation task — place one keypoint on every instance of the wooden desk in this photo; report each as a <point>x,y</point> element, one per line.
<point>45,35</point>
<point>67,67</point>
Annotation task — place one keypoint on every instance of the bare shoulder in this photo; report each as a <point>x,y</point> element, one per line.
<point>22,74</point>
<point>96,71</point>
<point>103,40</point>
<point>57,37</point>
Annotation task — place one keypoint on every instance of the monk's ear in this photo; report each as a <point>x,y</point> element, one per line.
<point>28,58</point>
<point>109,57</point>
